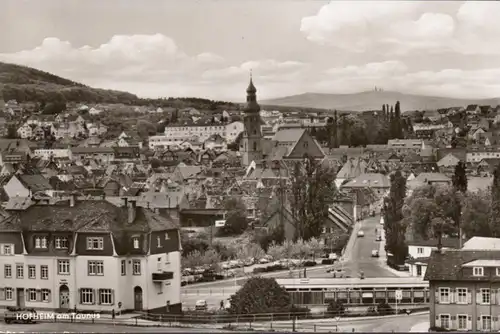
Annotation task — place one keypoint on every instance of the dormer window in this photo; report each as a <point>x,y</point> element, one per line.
<point>478,271</point>
<point>166,236</point>
<point>135,242</point>
<point>158,242</point>
<point>498,271</point>
<point>40,242</point>
<point>62,243</point>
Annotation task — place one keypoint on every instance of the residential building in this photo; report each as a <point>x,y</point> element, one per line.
<point>403,145</point>
<point>464,289</point>
<point>26,186</point>
<point>104,154</point>
<point>52,153</point>
<point>420,251</point>
<point>476,153</point>
<point>90,255</point>
<point>25,131</point>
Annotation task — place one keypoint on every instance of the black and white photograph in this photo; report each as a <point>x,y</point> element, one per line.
<point>249,165</point>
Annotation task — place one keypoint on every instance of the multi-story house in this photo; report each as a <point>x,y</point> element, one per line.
<point>25,186</point>
<point>419,252</point>
<point>464,289</point>
<point>90,255</point>
<point>51,153</point>
<point>25,131</point>
<point>104,154</point>
<point>406,145</point>
<point>477,153</point>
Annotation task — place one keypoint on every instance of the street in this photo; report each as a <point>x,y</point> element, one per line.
<point>88,328</point>
<point>360,258</point>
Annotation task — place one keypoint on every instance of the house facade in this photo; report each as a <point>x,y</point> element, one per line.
<point>464,289</point>
<point>128,260</point>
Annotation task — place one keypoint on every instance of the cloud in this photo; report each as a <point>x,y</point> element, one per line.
<point>390,27</point>
<point>268,68</point>
<point>396,76</point>
<point>123,57</point>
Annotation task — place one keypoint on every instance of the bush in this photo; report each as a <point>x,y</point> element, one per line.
<point>384,309</point>
<point>260,295</point>
<point>336,308</point>
<point>372,311</point>
<point>268,269</point>
<point>438,329</point>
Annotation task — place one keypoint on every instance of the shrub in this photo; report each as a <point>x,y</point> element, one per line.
<point>260,295</point>
<point>372,311</point>
<point>309,263</point>
<point>336,307</point>
<point>327,261</point>
<point>384,309</point>
<point>438,329</point>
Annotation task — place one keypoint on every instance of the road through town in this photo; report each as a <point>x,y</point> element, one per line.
<point>357,258</point>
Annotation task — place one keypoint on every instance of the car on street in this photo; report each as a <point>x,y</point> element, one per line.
<point>19,316</point>
<point>375,253</point>
<point>378,238</point>
<point>201,305</point>
<point>361,234</point>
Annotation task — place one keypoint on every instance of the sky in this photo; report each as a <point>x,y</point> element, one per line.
<point>207,48</point>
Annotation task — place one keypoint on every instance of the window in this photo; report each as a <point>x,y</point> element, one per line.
<point>105,296</point>
<point>136,243</point>
<point>7,270</point>
<point>420,250</point>
<point>444,295</point>
<point>62,243</point>
<point>462,321</point>
<point>32,295</point>
<point>40,242</point>
<point>478,271</point>
<point>31,271</point>
<point>63,267</point>
<point>124,267</point>
<point>19,271</point>
<point>136,267</point>
<point>95,268</point>
<point>498,271</point>
<point>444,320</point>
<point>166,236</point>
<point>7,249</point>
<point>86,296</point>
<point>167,259</point>
<point>44,272</point>
<point>45,295</point>
<point>461,296</point>
<point>158,242</point>
<point>485,296</point>
<point>9,294</point>
<point>159,264</point>
<point>486,322</point>
<point>95,243</point>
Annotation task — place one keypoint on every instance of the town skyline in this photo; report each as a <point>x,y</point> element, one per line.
<point>207,48</point>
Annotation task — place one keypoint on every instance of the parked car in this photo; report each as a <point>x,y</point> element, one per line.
<point>264,260</point>
<point>19,316</point>
<point>375,253</point>
<point>361,234</point>
<point>378,238</point>
<point>201,305</point>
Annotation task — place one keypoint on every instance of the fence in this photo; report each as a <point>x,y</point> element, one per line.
<point>211,291</point>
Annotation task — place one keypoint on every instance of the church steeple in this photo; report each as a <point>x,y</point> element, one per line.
<point>251,106</point>
<point>250,145</point>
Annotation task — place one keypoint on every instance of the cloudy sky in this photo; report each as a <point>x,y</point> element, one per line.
<point>207,48</point>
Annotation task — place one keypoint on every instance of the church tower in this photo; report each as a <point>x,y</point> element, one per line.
<point>251,142</point>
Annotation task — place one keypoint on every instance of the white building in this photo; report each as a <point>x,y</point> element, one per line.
<point>203,132</point>
<point>48,153</point>
<point>419,252</point>
<point>96,263</point>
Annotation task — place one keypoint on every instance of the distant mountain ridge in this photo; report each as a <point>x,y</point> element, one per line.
<point>373,100</point>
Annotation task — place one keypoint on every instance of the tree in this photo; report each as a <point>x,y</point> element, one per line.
<point>260,295</point>
<point>276,251</point>
<point>460,177</point>
<point>336,308</point>
<point>393,225</point>
<point>250,251</point>
<point>11,132</point>
<point>476,209</point>
<point>145,128</point>
<point>383,109</point>
<point>236,217</point>
<point>312,191</point>
<point>433,211</point>
<point>495,202</point>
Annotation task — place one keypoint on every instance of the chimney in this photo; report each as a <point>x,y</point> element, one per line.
<point>131,209</point>
<point>125,201</point>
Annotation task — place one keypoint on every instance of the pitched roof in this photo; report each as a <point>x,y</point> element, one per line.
<point>447,264</point>
<point>432,177</point>
<point>482,243</point>
<point>84,216</point>
<point>369,180</point>
<point>34,182</point>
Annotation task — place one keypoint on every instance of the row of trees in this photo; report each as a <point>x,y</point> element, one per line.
<point>438,211</point>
